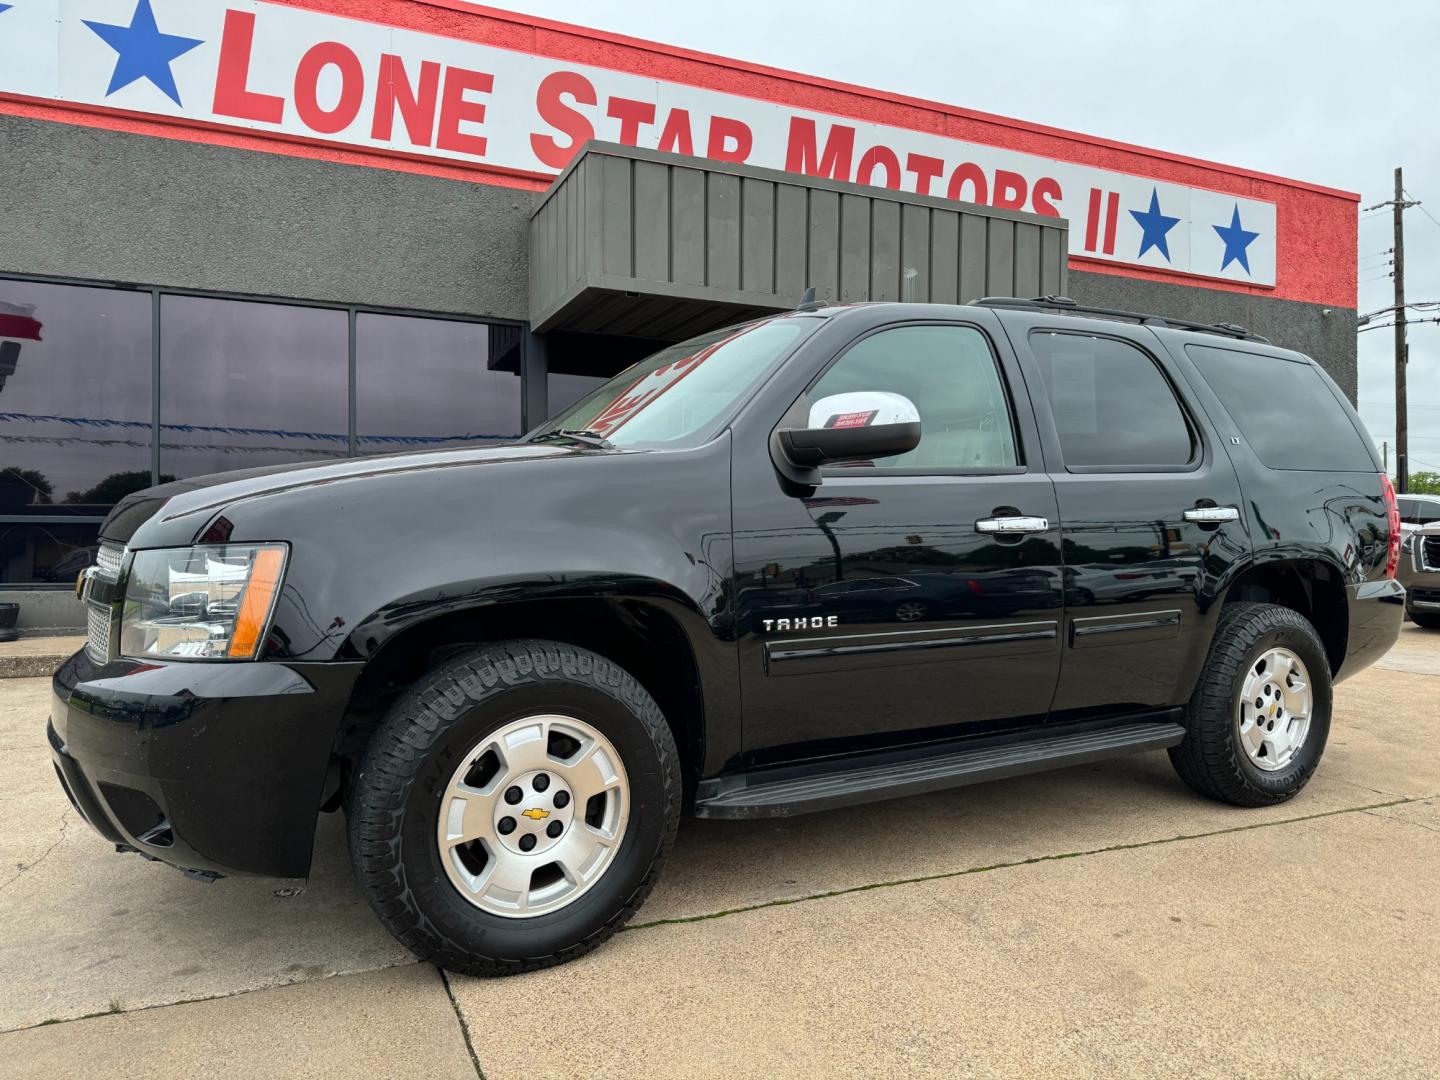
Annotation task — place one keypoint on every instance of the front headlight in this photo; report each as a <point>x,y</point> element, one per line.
<point>200,603</point>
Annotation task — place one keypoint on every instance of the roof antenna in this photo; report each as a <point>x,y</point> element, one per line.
<point>808,301</point>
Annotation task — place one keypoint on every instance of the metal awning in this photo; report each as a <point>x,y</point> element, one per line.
<point>663,246</point>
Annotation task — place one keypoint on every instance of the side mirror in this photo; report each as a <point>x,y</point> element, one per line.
<point>858,426</point>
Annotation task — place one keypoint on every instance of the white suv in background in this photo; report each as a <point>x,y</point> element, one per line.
<point>1419,569</point>
<point>1418,510</point>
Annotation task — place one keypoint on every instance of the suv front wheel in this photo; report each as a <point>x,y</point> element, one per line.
<point>1260,715</point>
<point>514,807</point>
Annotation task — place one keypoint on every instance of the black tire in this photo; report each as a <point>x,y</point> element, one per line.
<point>1425,620</point>
<point>397,791</point>
<point>1211,758</point>
<point>918,610</point>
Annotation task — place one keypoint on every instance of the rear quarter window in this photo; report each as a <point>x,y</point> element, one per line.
<point>1285,409</point>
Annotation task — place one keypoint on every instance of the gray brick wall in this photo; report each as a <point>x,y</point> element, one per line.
<point>85,203</point>
<point>1327,334</point>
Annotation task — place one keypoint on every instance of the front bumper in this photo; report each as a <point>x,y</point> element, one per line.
<point>1421,578</point>
<point>217,768</point>
<point>1424,600</point>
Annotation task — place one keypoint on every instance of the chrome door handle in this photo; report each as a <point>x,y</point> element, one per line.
<point>1012,525</point>
<point>1212,515</point>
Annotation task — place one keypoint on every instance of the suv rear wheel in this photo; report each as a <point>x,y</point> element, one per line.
<point>514,807</point>
<point>1260,715</point>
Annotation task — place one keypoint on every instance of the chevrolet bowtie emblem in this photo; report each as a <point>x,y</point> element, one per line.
<point>535,813</point>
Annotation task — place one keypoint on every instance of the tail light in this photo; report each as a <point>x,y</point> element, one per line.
<point>1392,515</point>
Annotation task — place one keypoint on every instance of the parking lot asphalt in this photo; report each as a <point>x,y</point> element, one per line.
<point>1097,920</point>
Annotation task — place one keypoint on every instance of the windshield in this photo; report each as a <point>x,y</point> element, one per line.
<point>679,391</point>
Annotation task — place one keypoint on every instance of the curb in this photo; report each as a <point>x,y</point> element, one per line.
<point>30,667</point>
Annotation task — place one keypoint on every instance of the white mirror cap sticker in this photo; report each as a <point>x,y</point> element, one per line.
<point>863,408</point>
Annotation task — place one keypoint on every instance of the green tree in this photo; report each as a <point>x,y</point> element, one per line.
<point>1425,483</point>
<point>115,487</point>
<point>34,487</point>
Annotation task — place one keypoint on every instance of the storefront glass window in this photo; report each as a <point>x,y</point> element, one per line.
<point>75,423</point>
<point>424,384</point>
<point>245,384</point>
<point>242,384</point>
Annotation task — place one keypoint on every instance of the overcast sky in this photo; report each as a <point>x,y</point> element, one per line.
<point>1316,90</point>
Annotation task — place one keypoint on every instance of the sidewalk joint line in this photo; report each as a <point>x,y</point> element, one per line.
<point>222,996</point>
<point>947,874</point>
<point>1402,821</point>
<point>1376,791</point>
<point>460,1016</point>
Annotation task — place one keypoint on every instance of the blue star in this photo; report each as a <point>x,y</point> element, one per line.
<point>1154,225</point>
<point>6,7</point>
<point>1237,240</point>
<point>143,52</point>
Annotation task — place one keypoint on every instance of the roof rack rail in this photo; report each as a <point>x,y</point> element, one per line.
<point>1064,303</point>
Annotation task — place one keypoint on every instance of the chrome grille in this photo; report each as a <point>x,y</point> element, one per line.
<point>1429,552</point>
<point>97,633</point>
<point>107,560</point>
<point>99,617</point>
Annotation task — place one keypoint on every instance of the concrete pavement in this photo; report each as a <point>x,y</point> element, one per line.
<point>391,1023</point>
<point>1303,949</point>
<point>1415,652</point>
<point>1100,919</point>
<point>34,656</point>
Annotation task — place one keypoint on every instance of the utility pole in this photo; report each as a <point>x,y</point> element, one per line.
<point>1402,348</point>
<point>1398,206</point>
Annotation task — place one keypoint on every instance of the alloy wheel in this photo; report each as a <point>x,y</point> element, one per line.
<point>1274,712</point>
<point>533,816</point>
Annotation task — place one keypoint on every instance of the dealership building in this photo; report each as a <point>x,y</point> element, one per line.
<point>238,234</point>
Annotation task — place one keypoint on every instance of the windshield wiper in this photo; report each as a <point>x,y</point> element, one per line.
<point>580,435</point>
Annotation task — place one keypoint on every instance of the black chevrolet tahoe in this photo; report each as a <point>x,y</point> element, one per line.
<point>819,559</point>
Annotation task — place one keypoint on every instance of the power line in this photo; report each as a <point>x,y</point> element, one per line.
<point>1382,326</point>
<point>1417,305</point>
<point>1417,202</point>
<point>1390,405</point>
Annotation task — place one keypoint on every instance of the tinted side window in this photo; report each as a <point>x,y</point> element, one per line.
<point>1112,405</point>
<point>1284,409</point>
<point>949,373</point>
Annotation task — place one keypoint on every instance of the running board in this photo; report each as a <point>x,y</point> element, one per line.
<point>865,779</point>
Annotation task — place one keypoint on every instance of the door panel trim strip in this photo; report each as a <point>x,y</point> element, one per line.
<point>1098,630</point>
<point>797,656</point>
